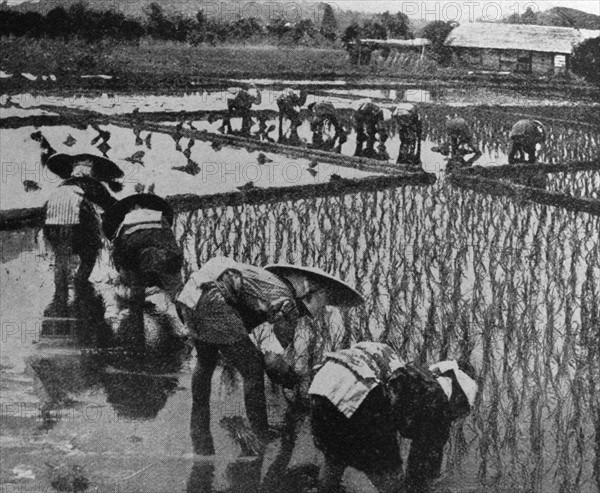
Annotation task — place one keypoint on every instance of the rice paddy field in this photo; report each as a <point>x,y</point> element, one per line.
<point>447,272</point>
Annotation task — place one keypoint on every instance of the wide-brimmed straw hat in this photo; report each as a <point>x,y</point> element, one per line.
<point>338,292</point>
<point>115,215</point>
<point>102,169</point>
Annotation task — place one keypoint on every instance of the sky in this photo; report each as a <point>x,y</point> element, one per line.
<point>463,10</point>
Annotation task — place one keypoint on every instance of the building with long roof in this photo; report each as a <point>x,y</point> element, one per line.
<point>520,48</point>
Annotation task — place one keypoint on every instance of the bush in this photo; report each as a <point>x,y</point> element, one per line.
<point>586,60</point>
<point>437,32</point>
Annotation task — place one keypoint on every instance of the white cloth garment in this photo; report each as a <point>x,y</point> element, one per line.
<point>349,375</point>
<point>467,384</point>
<point>211,270</point>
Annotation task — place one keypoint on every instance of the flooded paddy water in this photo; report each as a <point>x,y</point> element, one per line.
<point>446,272</point>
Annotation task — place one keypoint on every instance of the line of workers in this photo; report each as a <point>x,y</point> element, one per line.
<point>361,397</point>
<point>372,124</point>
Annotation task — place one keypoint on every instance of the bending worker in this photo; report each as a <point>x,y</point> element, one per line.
<point>289,103</point>
<point>460,143</point>
<point>324,119</point>
<point>369,121</point>
<point>410,130</point>
<point>524,137</point>
<point>362,396</point>
<point>145,251</point>
<point>72,225</point>
<point>222,303</point>
<point>241,105</point>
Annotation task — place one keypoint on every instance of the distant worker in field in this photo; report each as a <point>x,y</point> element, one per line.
<point>410,131</point>
<point>525,135</point>
<point>241,105</point>
<point>145,251</point>
<point>369,122</point>
<point>223,302</point>
<point>363,396</point>
<point>289,103</point>
<point>72,224</point>
<point>328,134</point>
<point>460,143</point>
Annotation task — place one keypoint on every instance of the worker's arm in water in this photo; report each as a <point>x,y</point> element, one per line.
<point>476,153</point>
<point>419,132</point>
<point>302,98</point>
<point>426,455</point>
<point>432,428</point>
<point>257,98</point>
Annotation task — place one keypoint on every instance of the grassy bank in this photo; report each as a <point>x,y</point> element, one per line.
<point>152,57</point>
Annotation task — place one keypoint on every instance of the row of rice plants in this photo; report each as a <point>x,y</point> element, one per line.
<point>578,184</point>
<point>452,273</point>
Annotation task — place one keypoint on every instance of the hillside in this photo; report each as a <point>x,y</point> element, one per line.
<point>557,16</point>
<point>563,16</point>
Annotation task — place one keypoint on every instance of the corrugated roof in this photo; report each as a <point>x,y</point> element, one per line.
<point>518,37</point>
<point>397,42</point>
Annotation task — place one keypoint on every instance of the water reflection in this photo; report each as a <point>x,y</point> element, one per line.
<point>246,473</point>
<point>136,381</point>
<point>18,243</point>
<point>567,140</point>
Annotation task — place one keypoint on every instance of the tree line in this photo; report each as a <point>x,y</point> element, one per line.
<point>79,21</point>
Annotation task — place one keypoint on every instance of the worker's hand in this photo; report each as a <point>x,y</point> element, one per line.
<point>286,310</point>
<point>439,150</point>
<point>280,371</point>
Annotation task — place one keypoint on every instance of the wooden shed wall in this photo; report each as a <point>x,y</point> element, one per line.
<point>507,60</point>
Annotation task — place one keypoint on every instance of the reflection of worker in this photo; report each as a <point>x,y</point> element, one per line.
<point>324,118</point>
<point>369,122</point>
<point>241,105</point>
<point>362,396</point>
<point>410,130</point>
<point>289,103</point>
<point>461,142</point>
<point>72,226</point>
<point>224,301</point>
<point>145,377</point>
<point>85,324</point>
<point>524,137</point>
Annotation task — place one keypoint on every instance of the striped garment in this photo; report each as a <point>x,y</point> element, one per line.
<point>139,219</point>
<point>64,206</point>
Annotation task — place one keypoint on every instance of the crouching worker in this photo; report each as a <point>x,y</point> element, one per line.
<point>460,143</point>
<point>145,251</point>
<point>525,135</point>
<point>222,303</point>
<point>72,224</point>
<point>362,396</point>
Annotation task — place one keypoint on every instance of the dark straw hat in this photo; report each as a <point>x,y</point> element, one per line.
<point>102,169</point>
